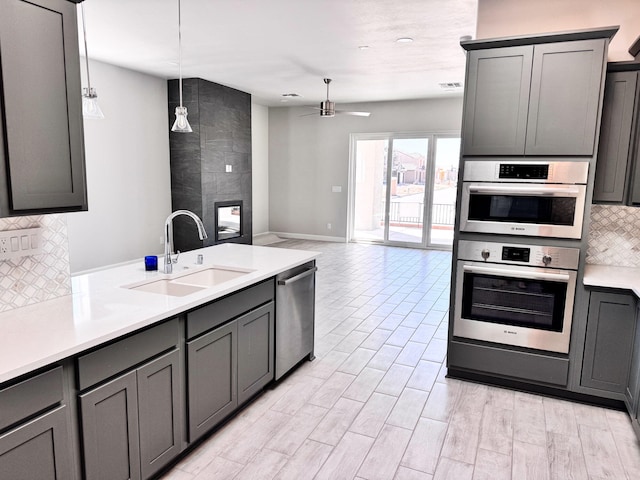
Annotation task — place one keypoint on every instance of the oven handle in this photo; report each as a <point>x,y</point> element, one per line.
<point>503,272</point>
<point>524,190</point>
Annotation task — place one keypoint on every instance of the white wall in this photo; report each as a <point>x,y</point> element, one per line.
<point>260,168</point>
<point>499,18</point>
<point>308,155</point>
<point>128,181</point>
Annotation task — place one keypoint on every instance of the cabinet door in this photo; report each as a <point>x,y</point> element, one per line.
<point>497,95</point>
<point>211,375</point>
<point>634,193</point>
<point>609,341</point>
<point>39,449</point>
<point>615,137</point>
<point>255,351</point>
<point>633,385</point>
<point>160,412</point>
<point>565,98</point>
<point>42,104</point>
<point>109,418</point>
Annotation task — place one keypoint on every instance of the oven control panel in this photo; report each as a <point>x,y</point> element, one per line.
<point>515,254</point>
<point>570,173</point>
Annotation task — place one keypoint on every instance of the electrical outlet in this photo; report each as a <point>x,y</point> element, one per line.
<point>20,243</point>
<point>328,226</point>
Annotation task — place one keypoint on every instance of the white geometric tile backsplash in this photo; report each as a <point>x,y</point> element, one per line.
<point>37,278</point>
<point>614,236</point>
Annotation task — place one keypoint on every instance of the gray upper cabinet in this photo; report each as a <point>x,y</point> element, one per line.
<point>615,137</point>
<point>42,134</point>
<point>609,342</point>
<point>618,165</point>
<point>565,98</point>
<point>497,101</point>
<point>540,99</point>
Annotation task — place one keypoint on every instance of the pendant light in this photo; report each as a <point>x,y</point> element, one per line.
<point>181,125</point>
<point>90,107</point>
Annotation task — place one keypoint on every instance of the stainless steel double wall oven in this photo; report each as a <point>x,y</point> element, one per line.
<point>506,291</point>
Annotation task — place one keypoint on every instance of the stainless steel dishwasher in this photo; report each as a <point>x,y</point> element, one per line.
<point>295,316</point>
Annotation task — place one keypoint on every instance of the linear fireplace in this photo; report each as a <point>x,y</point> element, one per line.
<point>228,220</point>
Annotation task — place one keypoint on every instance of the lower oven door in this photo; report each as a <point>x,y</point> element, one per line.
<point>524,306</point>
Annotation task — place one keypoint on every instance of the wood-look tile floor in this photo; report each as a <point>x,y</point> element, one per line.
<point>375,404</point>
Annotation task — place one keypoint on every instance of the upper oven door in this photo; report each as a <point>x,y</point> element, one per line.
<point>540,210</point>
<point>526,306</point>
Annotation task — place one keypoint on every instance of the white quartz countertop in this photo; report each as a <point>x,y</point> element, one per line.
<point>100,309</point>
<point>612,277</point>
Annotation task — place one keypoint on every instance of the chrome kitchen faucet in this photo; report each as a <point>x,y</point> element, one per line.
<point>168,235</point>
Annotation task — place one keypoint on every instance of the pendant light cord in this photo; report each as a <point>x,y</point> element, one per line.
<point>180,50</point>
<point>86,52</point>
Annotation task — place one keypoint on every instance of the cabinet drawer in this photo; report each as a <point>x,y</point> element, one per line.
<point>223,310</point>
<point>30,396</point>
<point>509,363</point>
<point>124,354</point>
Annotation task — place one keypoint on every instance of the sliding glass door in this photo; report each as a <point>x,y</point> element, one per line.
<point>403,188</point>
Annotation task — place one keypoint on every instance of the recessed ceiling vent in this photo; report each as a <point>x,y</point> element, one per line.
<point>290,95</point>
<point>449,86</point>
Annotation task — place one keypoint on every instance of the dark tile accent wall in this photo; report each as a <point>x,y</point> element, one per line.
<point>221,121</point>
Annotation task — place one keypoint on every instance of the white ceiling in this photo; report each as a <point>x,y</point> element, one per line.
<point>271,47</point>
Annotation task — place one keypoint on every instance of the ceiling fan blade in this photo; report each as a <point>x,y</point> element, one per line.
<point>315,114</point>
<point>357,114</point>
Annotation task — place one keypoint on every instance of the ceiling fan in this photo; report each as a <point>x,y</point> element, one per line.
<point>328,108</point>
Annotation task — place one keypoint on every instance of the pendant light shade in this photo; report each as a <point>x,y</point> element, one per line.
<point>90,107</point>
<point>181,125</point>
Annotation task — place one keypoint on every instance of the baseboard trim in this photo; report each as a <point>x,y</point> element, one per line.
<point>303,236</point>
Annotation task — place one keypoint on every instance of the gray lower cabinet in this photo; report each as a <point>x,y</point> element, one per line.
<point>632,391</point>
<point>227,366</point>
<point>611,325</point>
<point>35,433</point>
<point>255,351</point>
<point>212,365</point>
<point>109,417</point>
<point>42,131</point>
<point>38,449</point>
<point>539,99</point>
<point>130,425</point>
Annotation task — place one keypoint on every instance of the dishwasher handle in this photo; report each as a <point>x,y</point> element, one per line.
<point>300,276</point>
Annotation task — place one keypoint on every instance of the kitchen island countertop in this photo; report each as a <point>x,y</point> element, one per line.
<point>100,309</point>
<point>612,277</point>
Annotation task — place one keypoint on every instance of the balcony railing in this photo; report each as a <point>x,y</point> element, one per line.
<point>412,213</point>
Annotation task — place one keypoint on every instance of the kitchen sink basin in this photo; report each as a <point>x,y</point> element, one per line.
<point>168,287</point>
<point>211,276</point>
<point>186,284</point>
